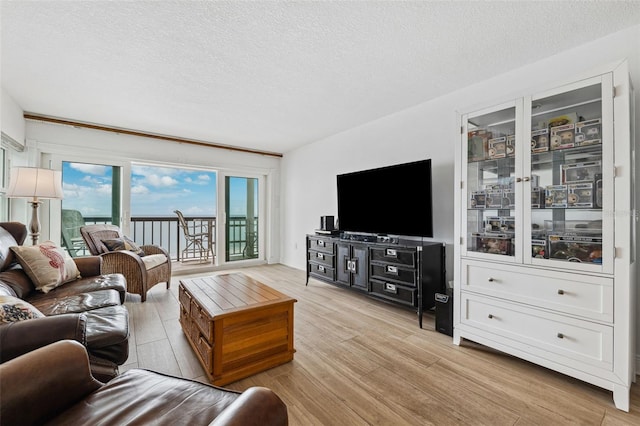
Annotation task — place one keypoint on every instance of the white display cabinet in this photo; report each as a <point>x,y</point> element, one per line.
<point>545,219</point>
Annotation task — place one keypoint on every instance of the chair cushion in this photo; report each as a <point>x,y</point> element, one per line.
<point>153,260</point>
<point>124,243</point>
<point>13,309</point>
<point>47,265</point>
<point>145,397</point>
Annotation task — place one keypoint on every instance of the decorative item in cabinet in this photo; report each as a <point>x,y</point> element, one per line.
<point>494,199</point>
<point>477,149</point>
<point>562,137</point>
<point>478,199</point>
<point>540,140</point>
<point>580,195</point>
<point>576,248</point>
<point>537,198</point>
<point>556,196</point>
<point>539,248</point>
<point>511,146</point>
<point>581,172</point>
<point>588,132</point>
<point>498,147</point>
<point>492,243</point>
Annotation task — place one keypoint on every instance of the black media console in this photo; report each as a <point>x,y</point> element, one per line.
<point>395,270</point>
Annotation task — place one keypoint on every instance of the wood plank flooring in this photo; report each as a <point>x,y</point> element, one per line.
<point>362,362</point>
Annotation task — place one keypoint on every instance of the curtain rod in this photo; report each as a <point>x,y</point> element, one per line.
<point>31,116</point>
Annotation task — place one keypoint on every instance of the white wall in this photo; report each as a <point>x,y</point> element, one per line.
<point>428,130</point>
<point>11,121</point>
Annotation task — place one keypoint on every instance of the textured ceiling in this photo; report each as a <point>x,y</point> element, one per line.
<point>273,75</point>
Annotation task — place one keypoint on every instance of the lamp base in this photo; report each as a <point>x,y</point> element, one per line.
<point>34,226</point>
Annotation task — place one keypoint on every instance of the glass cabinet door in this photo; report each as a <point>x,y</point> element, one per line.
<point>571,184</point>
<point>490,177</point>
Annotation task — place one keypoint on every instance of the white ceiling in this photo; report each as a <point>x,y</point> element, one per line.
<point>274,75</point>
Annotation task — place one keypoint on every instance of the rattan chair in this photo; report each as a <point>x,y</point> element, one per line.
<point>141,273</point>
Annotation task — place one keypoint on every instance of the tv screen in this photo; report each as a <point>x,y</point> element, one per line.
<point>392,200</point>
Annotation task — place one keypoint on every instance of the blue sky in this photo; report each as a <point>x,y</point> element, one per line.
<point>155,191</point>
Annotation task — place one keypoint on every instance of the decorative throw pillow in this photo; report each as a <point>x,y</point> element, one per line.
<point>124,243</point>
<point>48,265</point>
<point>13,309</point>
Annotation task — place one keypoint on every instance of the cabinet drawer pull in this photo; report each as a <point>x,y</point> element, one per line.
<point>321,243</point>
<point>490,316</point>
<point>320,255</point>
<point>320,268</point>
<point>560,291</point>
<point>391,252</point>
<point>491,280</point>
<point>392,269</point>
<point>391,288</point>
<point>560,336</point>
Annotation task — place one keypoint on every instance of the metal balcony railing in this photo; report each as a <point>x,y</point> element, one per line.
<point>165,231</point>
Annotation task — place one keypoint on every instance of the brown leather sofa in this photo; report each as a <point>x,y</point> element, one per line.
<point>53,385</point>
<point>89,310</point>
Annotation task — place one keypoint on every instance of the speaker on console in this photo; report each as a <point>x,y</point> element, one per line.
<point>326,223</point>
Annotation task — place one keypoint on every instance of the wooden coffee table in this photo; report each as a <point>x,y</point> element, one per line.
<point>236,325</point>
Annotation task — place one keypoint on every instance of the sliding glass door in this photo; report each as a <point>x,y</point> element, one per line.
<point>242,218</point>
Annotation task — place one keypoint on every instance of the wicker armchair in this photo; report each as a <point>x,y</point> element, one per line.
<point>141,273</point>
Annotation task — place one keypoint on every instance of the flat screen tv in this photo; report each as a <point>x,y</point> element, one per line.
<point>392,200</point>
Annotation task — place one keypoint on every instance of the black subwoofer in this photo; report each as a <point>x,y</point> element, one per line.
<point>444,312</point>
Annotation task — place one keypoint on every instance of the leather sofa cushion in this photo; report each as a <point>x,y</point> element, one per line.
<point>76,303</point>
<point>108,333</point>
<point>145,397</point>
<point>84,285</point>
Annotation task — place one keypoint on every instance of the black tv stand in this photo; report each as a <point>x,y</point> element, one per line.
<point>395,270</point>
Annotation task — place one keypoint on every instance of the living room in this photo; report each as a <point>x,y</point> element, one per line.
<point>299,187</point>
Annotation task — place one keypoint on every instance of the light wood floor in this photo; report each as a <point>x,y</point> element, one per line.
<point>361,362</point>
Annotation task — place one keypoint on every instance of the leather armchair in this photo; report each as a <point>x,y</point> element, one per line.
<point>141,273</point>
<point>53,385</point>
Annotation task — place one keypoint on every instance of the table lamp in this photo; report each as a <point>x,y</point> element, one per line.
<point>36,184</point>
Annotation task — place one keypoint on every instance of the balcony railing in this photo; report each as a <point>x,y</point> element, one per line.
<point>165,231</point>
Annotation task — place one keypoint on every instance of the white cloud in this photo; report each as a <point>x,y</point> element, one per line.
<point>92,169</point>
<point>160,181</point>
<point>139,189</point>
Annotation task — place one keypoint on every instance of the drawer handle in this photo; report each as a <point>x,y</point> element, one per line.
<point>391,288</point>
<point>560,336</point>
<point>560,291</point>
<point>491,280</point>
<point>391,252</point>
<point>392,269</point>
<point>490,316</point>
<point>320,255</point>
<point>320,243</point>
<point>320,268</point>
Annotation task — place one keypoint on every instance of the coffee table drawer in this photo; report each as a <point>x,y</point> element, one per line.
<point>202,320</point>
<point>184,298</point>
<point>205,351</point>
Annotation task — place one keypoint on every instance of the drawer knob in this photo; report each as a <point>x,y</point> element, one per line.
<point>560,291</point>
<point>491,280</point>
<point>560,336</point>
<point>490,316</point>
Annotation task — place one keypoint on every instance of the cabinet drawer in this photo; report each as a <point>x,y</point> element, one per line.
<point>320,244</point>
<point>321,258</point>
<point>583,295</point>
<point>394,273</point>
<point>184,298</point>
<point>393,255</point>
<point>394,292</point>
<point>322,271</point>
<point>202,320</point>
<point>555,337</point>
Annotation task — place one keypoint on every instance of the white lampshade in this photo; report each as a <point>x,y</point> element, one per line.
<point>33,182</point>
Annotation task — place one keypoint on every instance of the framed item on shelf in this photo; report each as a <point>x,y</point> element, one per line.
<point>562,137</point>
<point>588,132</point>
